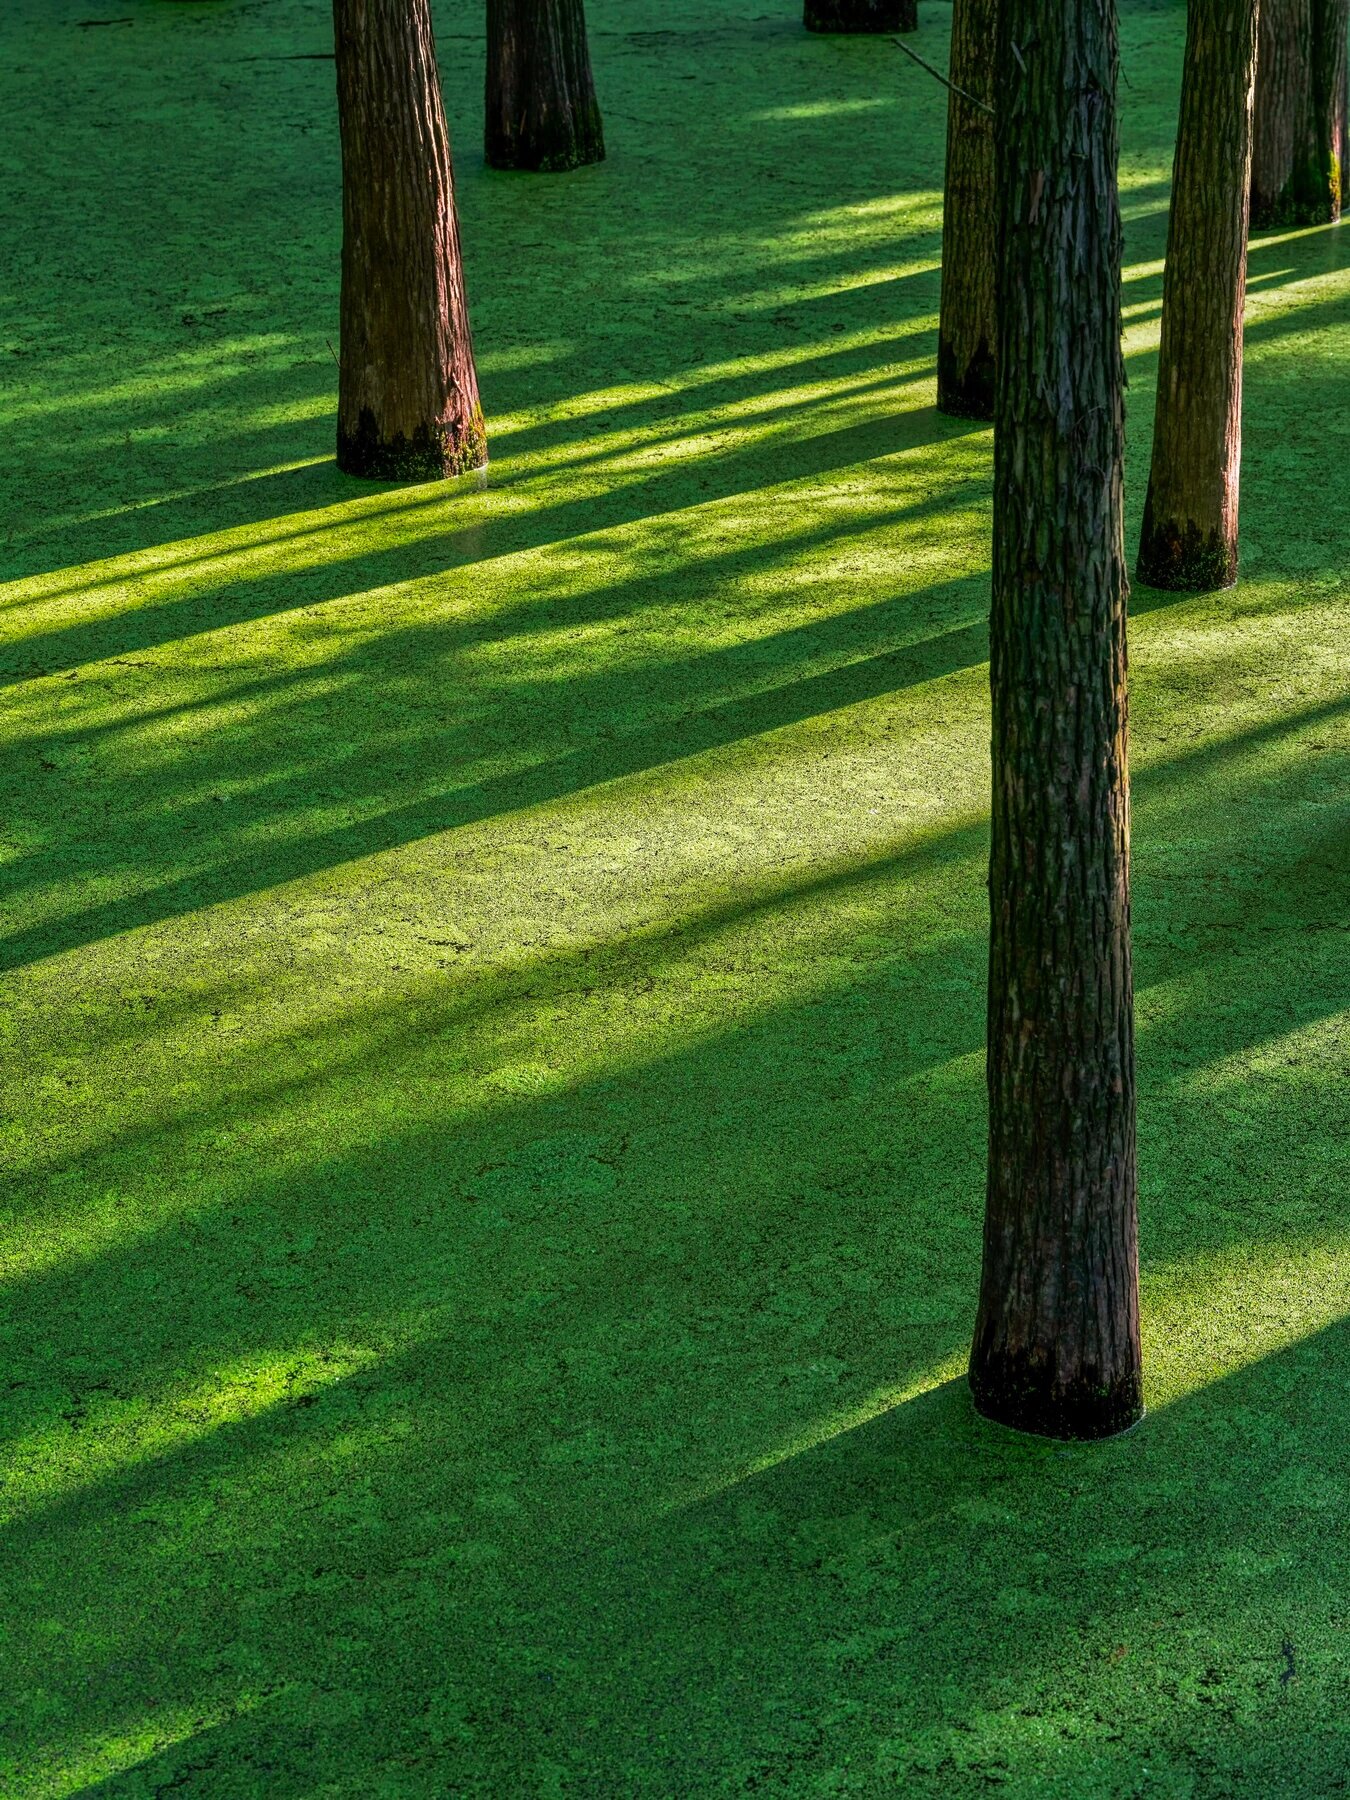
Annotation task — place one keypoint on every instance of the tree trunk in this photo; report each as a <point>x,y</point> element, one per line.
<point>967,328</point>
<point>882,16</point>
<point>541,107</point>
<point>1283,84</point>
<point>1330,103</point>
<point>1299,136</point>
<point>1190,536</point>
<point>1056,1346</point>
<point>408,405</point>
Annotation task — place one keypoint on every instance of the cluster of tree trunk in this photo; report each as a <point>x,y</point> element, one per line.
<point>1300,141</point>
<point>862,15</point>
<point>967,326</point>
<point>1056,1347</point>
<point>408,406</point>
<point>1030,336</point>
<point>1190,533</point>
<point>541,111</point>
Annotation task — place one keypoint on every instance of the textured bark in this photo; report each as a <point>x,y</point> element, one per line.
<point>862,15</point>
<point>1299,141</point>
<point>1190,535</point>
<point>408,403</point>
<point>541,107</point>
<point>1330,107</point>
<point>1056,1346</point>
<point>966,330</point>
<point>1283,85</point>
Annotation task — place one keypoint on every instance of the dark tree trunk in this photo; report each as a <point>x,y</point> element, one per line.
<point>1283,77</point>
<point>1190,536</point>
<point>1330,107</point>
<point>408,404</point>
<point>862,15</point>
<point>541,107</point>
<point>967,328</point>
<point>1056,1346</point>
<point>1299,140</point>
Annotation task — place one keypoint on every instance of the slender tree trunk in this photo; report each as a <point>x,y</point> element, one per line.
<point>967,328</point>
<point>1299,138</point>
<point>1056,1346</point>
<point>541,107</point>
<point>1284,45</point>
<point>1190,536</point>
<point>882,16</point>
<point>408,405</point>
<point>1330,107</point>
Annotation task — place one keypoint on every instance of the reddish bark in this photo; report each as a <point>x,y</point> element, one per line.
<point>408,404</point>
<point>541,110</point>
<point>1299,144</point>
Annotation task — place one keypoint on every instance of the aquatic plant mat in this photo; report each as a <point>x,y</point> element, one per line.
<point>493,975</point>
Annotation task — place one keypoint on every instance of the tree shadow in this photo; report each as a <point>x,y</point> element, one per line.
<point>546,1411</point>
<point>530,1374</point>
<point>919,1598</point>
<point>396,700</point>
<point>469,529</point>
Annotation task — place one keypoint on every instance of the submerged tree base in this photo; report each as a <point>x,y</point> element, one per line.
<point>1024,1395</point>
<point>1311,195</point>
<point>965,390</point>
<point>1183,559</point>
<point>430,454</point>
<point>575,142</point>
<point>540,111</point>
<point>878,16</point>
<point>1295,206</point>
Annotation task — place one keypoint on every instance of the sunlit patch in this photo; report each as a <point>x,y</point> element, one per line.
<point>881,1401</point>
<point>257,418</point>
<point>184,372</point>
<point>1210,1316</point>
<point>886,208</point>
<point>1303,234</point>
<point>850,282</point>
<point>209,556</point>
<point>1263,1075</point>
<point>1141,309</point>
<point>1142,271</point>
<point>822,109</point>
<point>71,1768</point>
<point>497,359</point>
<point>17,593</point>
<point>1249,1313</point>
<point>302,1037</point>
<point>110,1433</point>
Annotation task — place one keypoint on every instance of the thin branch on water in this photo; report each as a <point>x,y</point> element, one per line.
<point>915,57</point>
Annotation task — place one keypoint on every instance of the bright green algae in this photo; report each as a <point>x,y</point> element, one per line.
<point>494,976</point>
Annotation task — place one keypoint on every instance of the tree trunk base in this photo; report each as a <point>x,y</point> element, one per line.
<point>1302,101</point>
<point>431,454</point>
<point>1288,209</point>
<point>965,391</point>
<point>880,16</point>
<point>1025,1396</point>
<point>540,112</point>
<point>1182,559</point>
<point>548,152</point>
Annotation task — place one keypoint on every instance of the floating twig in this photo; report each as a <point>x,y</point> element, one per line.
<point>937,73</point>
